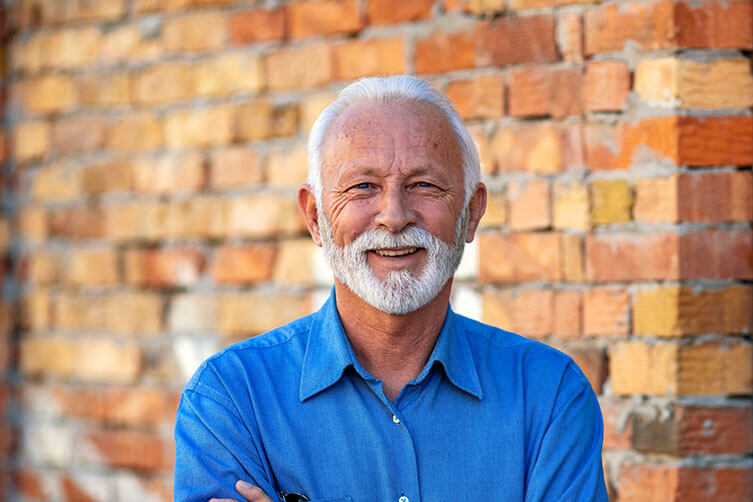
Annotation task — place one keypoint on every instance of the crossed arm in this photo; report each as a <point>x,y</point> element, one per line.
<point>250,492</point>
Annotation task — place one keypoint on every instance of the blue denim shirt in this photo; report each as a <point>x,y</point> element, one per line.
<point>492,416</point>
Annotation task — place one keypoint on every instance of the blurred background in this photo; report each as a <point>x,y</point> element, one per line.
<point>151,151</point>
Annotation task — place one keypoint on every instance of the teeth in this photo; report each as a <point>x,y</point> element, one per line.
<point>390,252</point>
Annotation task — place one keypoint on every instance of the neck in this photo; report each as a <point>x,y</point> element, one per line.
<point>392,347</point>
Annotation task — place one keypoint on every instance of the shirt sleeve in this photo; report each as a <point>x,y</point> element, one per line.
<point>568,464</point>
<point>213,449</point>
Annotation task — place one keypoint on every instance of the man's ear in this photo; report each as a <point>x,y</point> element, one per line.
<point>476,209</point>
<point>307,204</point>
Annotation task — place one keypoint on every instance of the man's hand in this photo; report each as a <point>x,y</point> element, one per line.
<point>250,492</point>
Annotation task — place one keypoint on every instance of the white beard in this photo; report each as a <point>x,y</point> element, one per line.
<point>400,292</point>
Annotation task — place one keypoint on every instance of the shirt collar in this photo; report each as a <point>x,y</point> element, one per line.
<point>329,353</point>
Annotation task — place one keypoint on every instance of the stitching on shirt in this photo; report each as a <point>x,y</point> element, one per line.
<point>209,393</point>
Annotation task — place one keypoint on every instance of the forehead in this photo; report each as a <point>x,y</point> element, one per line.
<point>370,127</point>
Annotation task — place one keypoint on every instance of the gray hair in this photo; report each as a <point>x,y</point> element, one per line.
<point>381,90</point>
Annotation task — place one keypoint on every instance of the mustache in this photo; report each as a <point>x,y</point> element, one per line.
<point>411,236</point>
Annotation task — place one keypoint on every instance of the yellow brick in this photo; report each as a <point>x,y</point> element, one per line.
<point>496,210</point>
<point>49,94</point>
<point>260,120</point>
<point>126,43</point>
<point>572,258</point>
<point>31,140</point>
<point>143,6</point>
<point>676,311</point>
<point>312,106</point>
<point>32,224</point>
<point>107,10</point>
<point>656,80</point>
<point>640,368</point>
<point>656,200</point>
<point>611,201</point>
<point>571,207</point>
<point>299,67</point>
<point>195,32</point>
<point>288,166</point>
<point>486,6</point>
<point>43,267</point>
<point>164,83</point>
<point>145,220</point>
<point>26,54</point>
<point>201,127</point>
<point>53,356</point>
<point>4,235</point>
<point>295,262</point>
<point>107,313</point>
<point>79,133</point>
<point>229,73</point>
<point>264,215</point>
<point>97,267</point>
<point>235,167</point>
<point>136,132</point>
<point>56,182</point>
<point>241,315</point>
<point>36,310</point>
<point>169,173</point>
<point>112,89</point>
<point>106,361</point>
<point>112,176</point>
<point>72,48</point>
<point>716,369</point>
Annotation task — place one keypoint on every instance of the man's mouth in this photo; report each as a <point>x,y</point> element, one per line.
<point>395,252</point>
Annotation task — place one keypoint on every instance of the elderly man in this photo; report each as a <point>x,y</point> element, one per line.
<point>385,394</point>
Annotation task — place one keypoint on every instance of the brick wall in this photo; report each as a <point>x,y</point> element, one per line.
<point>154,149</point>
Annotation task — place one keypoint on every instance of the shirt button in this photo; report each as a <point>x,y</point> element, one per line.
<point>397,421</point>
<point>403,499</point>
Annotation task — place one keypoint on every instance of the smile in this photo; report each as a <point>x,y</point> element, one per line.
<point>395,252</point>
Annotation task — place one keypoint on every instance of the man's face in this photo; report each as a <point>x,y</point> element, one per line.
<point>392,220</point>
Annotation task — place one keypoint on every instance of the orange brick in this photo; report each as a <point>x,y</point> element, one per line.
<point>570,208</point>
<point>480,97</point>
<point>715,141</point>
<point>77,223</point>
<point>516,40</point>
<point>716,254</point>
<point>618,428</point>
<point>527,312</point>
<point>715,196</point>
<point>163,83</point>
<point>273,215</point>
<point>235,167</point>
<point>311,106</point>
<point>537,148</point>
<point>229,73</point>
<point>128,449</point>
<point>656,200</point>
<point>112,89</point>
<point>163,267</point>
<point>496,210</point>
<point>568,314</point>
<point>168,173</point>
<point>261,119</point>
<point>715,431</point>
<point>397,11</point>
<point>199,127</point>
<point>592,361</point>
<point>605,312</point>
<point>56,182</point>
<point>299,67</point>
<point>536,4</point>
<point>29,483</point>
<point>529,204</point>
<point>251,313</point>
<point>570,36</point>
<point>128,43</point>
<point>326,17</point>
<point>71,48</point>
<point>106,361</point>
<point>664,483</point>
<point>93,266</point>
<point>652,256</point>
<point>142,131</point>
<point>362,58</point>
<point>81,133</point>
<point>195,32</point>
<point>287,166</point>
<point>30,140</point>
<point>607,85</point>
<point>708,24</point>
<point>4,235</point>
<point>139,406</point>
<point>294,263</point>
<point>105,313</point>
<point>260,25</point>
<point>49,93</point>
<point>640,368</point>
<point>35,312</point>
<point>611,201</point>
<point>519,257</point>
<point>442,52</point>
<point>243,264</point>
<point>43,267</point>
<point>540,91</point>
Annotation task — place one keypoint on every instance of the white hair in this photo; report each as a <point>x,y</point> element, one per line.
<point>390,89</point>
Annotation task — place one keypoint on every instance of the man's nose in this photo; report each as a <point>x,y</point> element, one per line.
<point>395,211</point>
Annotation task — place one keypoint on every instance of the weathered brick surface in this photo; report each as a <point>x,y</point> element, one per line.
<point>150,155</point>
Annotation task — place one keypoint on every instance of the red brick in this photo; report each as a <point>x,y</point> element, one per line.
<point>397,11</point>
<point>716,254</point>
<point>607,85</point>
<point>325,17</point>
<point>480,97</point>
<point>605,312</point>
<point>442,52</point>
<point>527,312</point>
<point>663,483</point>
<point>537,4</point>
<point>247,27</point>
<point>714,431</point>
<point>519,257</point>
<point>568,314</point>
<point>529,204</point>
<point>77,222</point>
<point>130,450</point>
<point>538,148</point>
<point>29,483</point>
<point>641,257</point>
<point>73,492</point>
<point>243,264</point>
<point>517,40</point>
<point>362,58</point>
<point>714,25</point>
<point>163,267</point>
<point>713,141</point>
<point>540,91</point>
<point>715,196</point>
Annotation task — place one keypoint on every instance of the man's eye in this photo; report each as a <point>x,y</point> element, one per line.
<point>362,186</point>
<point>424,184</point>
